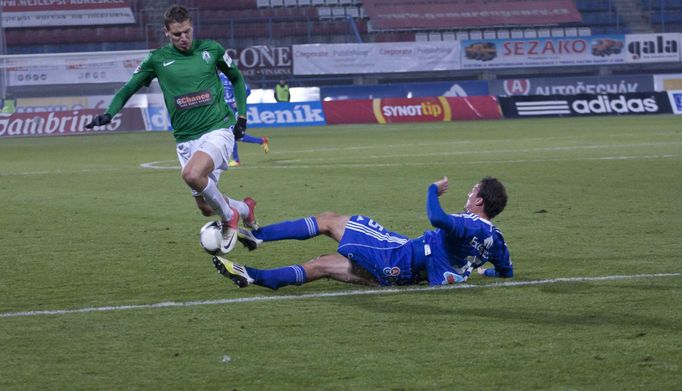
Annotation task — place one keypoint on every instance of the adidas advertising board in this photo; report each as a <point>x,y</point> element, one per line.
<point>578,105</point>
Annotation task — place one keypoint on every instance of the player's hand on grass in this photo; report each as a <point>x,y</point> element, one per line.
<point>239,128</point>
<point>442,185</point>
<point>100,120</point>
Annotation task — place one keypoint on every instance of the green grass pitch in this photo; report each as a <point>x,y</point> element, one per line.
<point>102,230</point>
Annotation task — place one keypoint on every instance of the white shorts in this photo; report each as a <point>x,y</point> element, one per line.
<point>218,144</point>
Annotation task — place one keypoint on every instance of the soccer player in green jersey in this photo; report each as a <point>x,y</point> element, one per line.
<point>204,127</point>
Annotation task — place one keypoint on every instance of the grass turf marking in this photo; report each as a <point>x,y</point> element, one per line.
<point>376,291</point>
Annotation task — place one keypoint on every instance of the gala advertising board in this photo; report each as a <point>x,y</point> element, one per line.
<point>399,110</point>
<point>646,48</point>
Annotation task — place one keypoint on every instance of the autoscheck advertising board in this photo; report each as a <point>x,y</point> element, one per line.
<point>573,85</point>
<point>578,105</point>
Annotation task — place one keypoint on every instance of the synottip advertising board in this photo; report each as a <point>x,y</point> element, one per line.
<point>399,110</point>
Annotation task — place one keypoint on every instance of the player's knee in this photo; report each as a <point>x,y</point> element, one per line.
<point>326,220</point>
<point>191,177</point>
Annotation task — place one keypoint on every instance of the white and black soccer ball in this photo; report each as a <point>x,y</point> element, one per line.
<point>210,237</point>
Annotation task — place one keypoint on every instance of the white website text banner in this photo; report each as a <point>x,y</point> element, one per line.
<point>71,68</point>
<point>321,59</point>
<point>18,13</point>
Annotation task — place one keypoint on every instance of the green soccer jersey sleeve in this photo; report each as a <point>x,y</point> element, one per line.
<point>191,88</point>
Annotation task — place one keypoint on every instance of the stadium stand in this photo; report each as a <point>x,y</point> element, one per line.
<point>242,23</point>
<point>664,15</point>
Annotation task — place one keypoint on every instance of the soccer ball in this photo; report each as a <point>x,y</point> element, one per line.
<point>210,237</point>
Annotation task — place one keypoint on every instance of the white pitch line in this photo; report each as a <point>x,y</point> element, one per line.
<point>376,291</point>
<point>286,165</point>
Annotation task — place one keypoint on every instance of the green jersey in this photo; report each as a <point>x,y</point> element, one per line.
<point>191,87</point>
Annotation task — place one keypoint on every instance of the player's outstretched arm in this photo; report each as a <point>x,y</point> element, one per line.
<point>437,216</point>
<point>442,185</point>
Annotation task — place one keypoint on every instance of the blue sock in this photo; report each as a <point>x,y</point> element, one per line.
<point>300,229</point>
<point>277,278</point>
<point>235,152</point>
<point>251,139</point>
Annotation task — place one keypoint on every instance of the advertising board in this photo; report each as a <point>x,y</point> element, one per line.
<point>580,105</point>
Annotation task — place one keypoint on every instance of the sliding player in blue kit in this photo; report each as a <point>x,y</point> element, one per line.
<point>371,255</point>
<point>264,142</point>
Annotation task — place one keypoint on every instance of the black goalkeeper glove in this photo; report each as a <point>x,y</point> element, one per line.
<point>100,120</point>
<point>239,129</point>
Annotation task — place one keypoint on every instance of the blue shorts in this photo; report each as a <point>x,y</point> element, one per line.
<point>386,255</point>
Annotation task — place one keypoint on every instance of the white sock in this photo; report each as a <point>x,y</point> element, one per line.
<point>241,207</point>
<point>215,198</point>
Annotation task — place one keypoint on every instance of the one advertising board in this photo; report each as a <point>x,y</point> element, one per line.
<point>542,52</point>
<point>18,13</point>
<point>645,48</point>
<point>70,68</point>
<point>406,90</point>
<point>572,85</point>
<point>57,123</point>
<point>579,105</point>
<point>676,101</point>
<point>365,58</point>
<point>398,110</point>
<point>263,60</point>
<point>285,114</point>
<point>437,14</point>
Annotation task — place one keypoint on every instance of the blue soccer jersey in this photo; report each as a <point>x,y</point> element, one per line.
<point>446,255</point>
<point>386,255</point>
<point>462,241</point>
<point>229,92</point>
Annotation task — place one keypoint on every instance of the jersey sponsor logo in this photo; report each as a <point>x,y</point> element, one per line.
<point>167,63</point>
<point>194,99</point>
<point>482,248</point>
<point>392,271</point>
